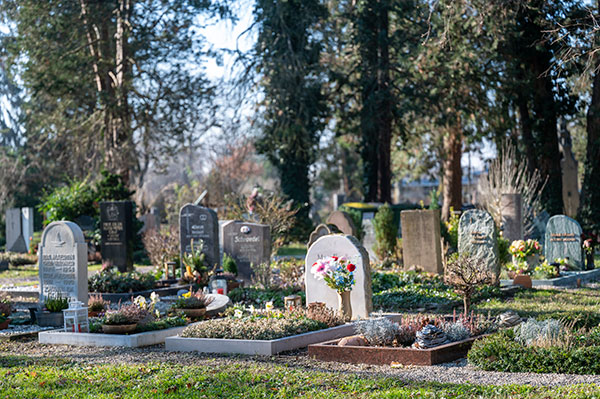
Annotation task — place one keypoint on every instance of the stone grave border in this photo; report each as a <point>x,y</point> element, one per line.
<point>60,337</point>
<point>569,279</point>
<point>331,352</point>
<point>260,347</point>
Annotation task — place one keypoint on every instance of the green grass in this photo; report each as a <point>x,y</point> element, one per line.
<point>582,304</point>
<point>21,377</point>
<point>294,249</point>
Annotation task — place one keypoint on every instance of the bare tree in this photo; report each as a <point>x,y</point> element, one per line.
<point>466,274</point>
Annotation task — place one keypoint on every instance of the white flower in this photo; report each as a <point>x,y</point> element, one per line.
<point>238,314</point>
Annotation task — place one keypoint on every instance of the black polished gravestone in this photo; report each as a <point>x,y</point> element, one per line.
<point>116,227</point>
<point>248,243</point>
<point>199,224</point>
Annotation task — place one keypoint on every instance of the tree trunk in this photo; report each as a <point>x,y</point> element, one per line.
<point>589,207</point>
<point>452,180</point>
<point>384,95</point>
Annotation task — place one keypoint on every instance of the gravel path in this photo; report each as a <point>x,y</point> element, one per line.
<point>456,372</point>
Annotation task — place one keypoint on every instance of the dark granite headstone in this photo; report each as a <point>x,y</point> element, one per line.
<point>116,227</point>
<point>199,223</point>
<point>63,262</point>
<point>247,243</point>
<point>477,237</point>
<point>563,240</point>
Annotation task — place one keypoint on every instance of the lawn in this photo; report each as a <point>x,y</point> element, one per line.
<point>23,377</point>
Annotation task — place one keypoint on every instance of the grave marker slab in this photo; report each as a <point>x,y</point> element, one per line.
<point>343,222</point>
<point>511,206</point>
<point>27,225</point>
<point>421,245</point>
<point>15,241</point>
<point>247,243</point>
<point>116,227</point>
<point>477,237</point>
<point>62,258</point>
<point>340,245</point>
<point>369,240</point>
<point>200,223</point>
<point>320,231</point>
<point>563,240</point>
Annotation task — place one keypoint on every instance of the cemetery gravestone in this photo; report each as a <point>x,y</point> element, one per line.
<point>151,220</point>
<point>477,237</point>
<point>338,200</point>
<point>563,240</point>
<point>421,240</point>
<point>511,206</point>
<point>247,243</point>
<point>116,227</point>
<point>369,240</point>
<point>320,231</point>
<point>15,241</point>
<point>340,245</point>
<point>27,226</point>
<point>199,223</point>
<point>343,222</point>
<point>63,262</point>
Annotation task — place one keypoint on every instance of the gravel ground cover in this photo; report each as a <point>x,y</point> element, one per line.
<point>458,372</point>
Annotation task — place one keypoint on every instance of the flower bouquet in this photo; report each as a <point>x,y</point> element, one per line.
<point>525,255</point>
<point>338,274</point>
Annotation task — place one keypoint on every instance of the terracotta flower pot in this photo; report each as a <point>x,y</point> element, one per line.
<point>344,305</point>
<point>194,313</point>
<point>119,328</point>
<point>523,280</point>
<point>4,324</point>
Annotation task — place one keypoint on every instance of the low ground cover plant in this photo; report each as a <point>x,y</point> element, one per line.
<point>548,346</point>
<point>265,325</point>
<point>113,281</point>
<point>56,303</point>
<point>258,297</point>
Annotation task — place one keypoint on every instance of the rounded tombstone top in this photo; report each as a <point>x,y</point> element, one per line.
<point>62,233</point>
<point>478,216</point>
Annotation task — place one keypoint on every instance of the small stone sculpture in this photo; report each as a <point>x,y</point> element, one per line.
<point>429,337</point>
<point>509,319</point>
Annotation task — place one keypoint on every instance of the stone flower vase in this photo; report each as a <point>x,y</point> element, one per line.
<point>344,305</point>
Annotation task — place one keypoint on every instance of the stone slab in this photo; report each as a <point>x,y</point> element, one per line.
<point>14,231</point>
<point>421,240</point>
<point>343,222</point>
<point>59,337</point>
<point>563,240</point>
<point>200,223</point>
<point>511,207</point>
<point>116,228</point>
<point>361,296</point>
<point>247,243</point>
<point>477,237</point>
<point>256,347</point>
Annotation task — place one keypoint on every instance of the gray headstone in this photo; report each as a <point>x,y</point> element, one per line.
<point>340,245</point>
<point>538,227</point>
<point>247,243</point>
<point>421,240</point>
<point>338,200</point>
<point>116,228</point>
<point>63,262</point>
<point>320,231</point>
<point>477,237</point>
<point>27,226</point>
<point>86,223</point>
<point>200,223</point>
<point>511,207</point>
<point>343,222</point>
<point>15,242</point>
<point>369,240</point>
<point>563,240</point>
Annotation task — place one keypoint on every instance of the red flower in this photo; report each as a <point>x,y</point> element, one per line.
<point>334,258</point>
<point>351,267</point>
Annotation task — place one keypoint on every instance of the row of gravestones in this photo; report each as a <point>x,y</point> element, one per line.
<point>247,243</point>
<point>421,241</point>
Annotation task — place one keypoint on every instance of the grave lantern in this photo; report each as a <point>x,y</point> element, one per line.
<point>292,301</point>
<point>218,283</point>
<point>76,317</point>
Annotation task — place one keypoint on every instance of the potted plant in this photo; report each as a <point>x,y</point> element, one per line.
<point>525,254</point>
<point>5,311</point>
<point>338,274</point>
<point>196,270</point>
<point>124,320</point>
<point>193,304</point>
<point>52,315</point>
<point>97,305</point>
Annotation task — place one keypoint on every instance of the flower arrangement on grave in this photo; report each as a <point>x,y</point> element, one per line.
<point>196,269</point>
<point>193,304</point>
<point>525,255</point>
<point>338,274</point>
<point>56,302</point>
<point>125,319</point>
<point>97,305</point>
